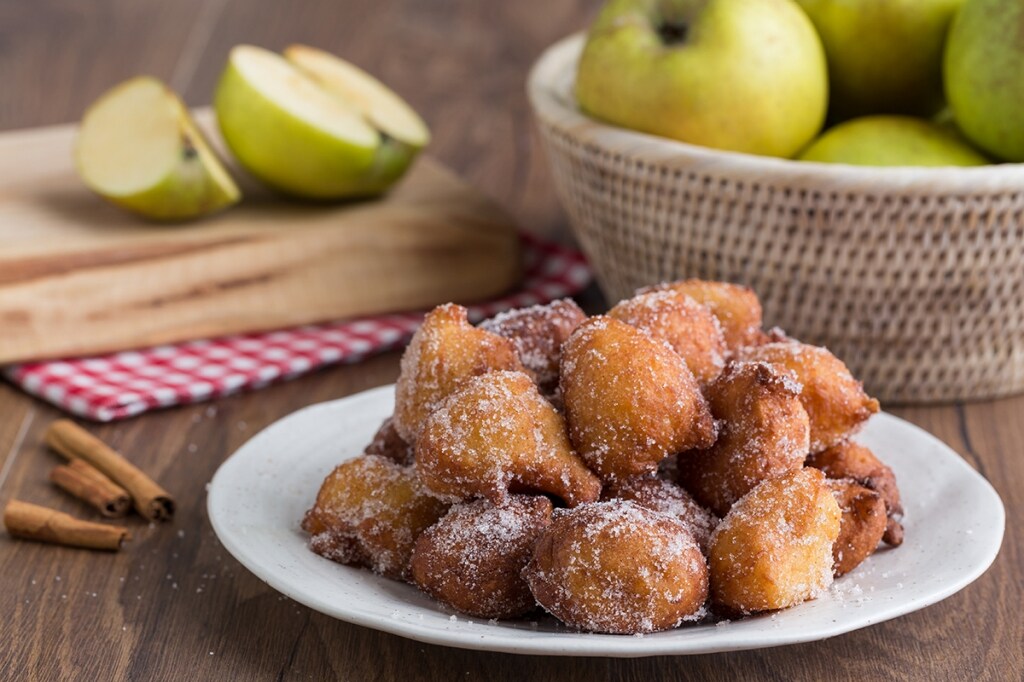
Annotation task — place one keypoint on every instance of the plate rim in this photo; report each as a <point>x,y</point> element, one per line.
<point>576,644</point>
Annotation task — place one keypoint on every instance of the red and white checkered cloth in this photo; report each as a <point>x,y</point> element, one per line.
<point>119,385</point>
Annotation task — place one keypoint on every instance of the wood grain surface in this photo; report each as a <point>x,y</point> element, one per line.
<point>174,605</point>
<point>79,276</point>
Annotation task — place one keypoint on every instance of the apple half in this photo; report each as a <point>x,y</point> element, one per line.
<point>139,148</point>
<point>313,125</point>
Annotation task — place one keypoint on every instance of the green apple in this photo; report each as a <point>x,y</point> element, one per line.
<point>741,75</point>
<point>139,148</point>
<point>306,135</point>
<point>984,75</point>
<point>884,56</point>
<point>892,141</point>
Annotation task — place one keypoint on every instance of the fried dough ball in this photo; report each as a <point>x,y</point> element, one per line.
<point>369,512</point>
<point>861,527</point>
<point>630,401</point>
<point>669,498</point>
<point>445,351</point>
<point>618,567</point>
<point>538,333</point>
<point>763,433</point>
<point>687,326</point>
<point>387,443</point>
<point>736,307</point>
<point>498,433</point>
<point>856,462</point>
<point>834,400</point>
<point>473,558</point>
<point>774,547</point>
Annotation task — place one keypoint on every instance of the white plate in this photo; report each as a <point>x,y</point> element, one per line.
<point>954,527</point>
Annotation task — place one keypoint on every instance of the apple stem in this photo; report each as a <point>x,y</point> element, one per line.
<point>672,33</point>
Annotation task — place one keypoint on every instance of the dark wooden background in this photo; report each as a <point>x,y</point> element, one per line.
<point>175,605</point>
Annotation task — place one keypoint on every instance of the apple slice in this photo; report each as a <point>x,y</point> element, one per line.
<point>299,136</point>
<point>139,148</point>
<point>382,108</point>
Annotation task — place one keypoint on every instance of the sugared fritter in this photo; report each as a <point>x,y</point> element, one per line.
<point>445,351</point>
<point>774,547</point>
<point>538,333</point>
<point>686,325</point>
<point>369,512</point>
<point>618,567</point>
<point>669,498</point>
<point>763,432</point>
<point>834,400</point>
<point>498,434</point>
<point>473,558</point>
<point>629,399</point>
<point>736,307</point>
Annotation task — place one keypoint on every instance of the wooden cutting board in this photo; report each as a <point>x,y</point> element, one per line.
<point>79,276</point>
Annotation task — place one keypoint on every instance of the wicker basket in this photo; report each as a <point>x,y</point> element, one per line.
<point>915,277</point>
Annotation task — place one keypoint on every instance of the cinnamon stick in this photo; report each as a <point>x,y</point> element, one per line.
<point>32,522</point>
<point>88,484</point>
<point>72,441</point>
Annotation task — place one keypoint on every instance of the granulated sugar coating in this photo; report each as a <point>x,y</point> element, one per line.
<point>764,432</point>
<point>835,402</point>
<point>473,558</point>
<point>369,512</point>
<point>735,306</point>
<point>445,351</point>
<point>774,547</point>
<point>619,568</point>
<point>498,432</point>
<point>538,333</point>
<point>629,399</point>
<point>669,498</point>
<point>686,325</point>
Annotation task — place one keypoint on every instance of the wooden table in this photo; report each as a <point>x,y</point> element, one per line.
<point>175,605</point>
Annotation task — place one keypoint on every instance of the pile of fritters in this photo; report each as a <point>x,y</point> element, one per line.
<point>667,462</point>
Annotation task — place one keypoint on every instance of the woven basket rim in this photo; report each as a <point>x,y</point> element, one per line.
<point>550,86</point>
